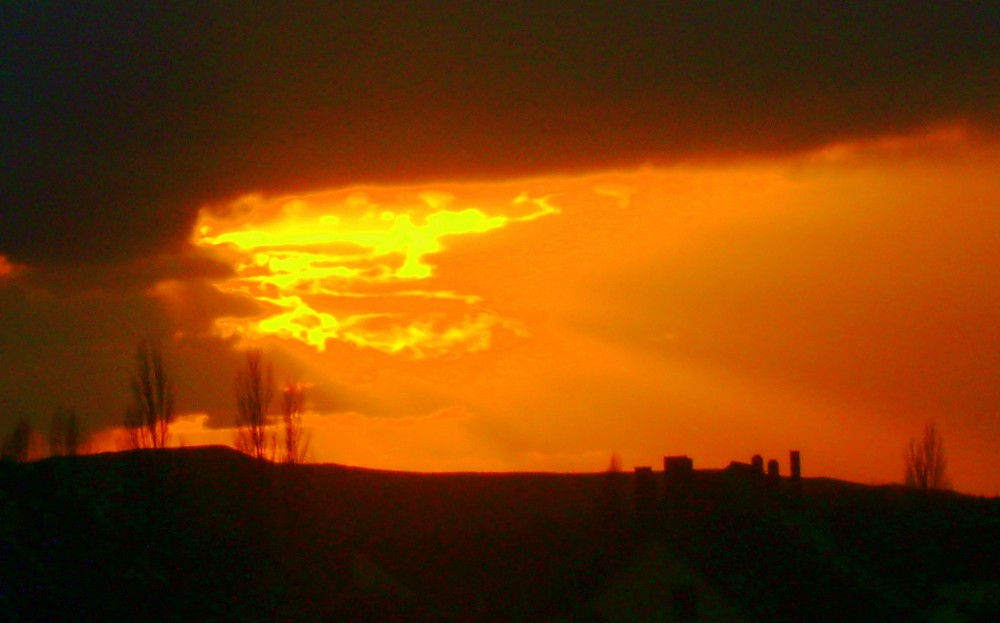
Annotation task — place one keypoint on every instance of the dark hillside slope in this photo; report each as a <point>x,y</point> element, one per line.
<point>838,551</point>
<point>209,534</point>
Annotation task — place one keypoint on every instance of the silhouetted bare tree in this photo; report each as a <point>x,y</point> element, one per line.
<point>148,418</point>
<point>64,432</point>
<point>925,461</point>
<point>57,432</point>
<point>71,437</point>
<point>296,446</point>
<point>17,445</point>
<point>254,391</point>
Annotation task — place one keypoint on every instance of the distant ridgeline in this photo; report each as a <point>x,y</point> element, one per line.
<point>209,534</point>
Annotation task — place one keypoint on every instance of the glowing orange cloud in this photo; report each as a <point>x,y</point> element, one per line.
<point>186,430</point>
<point>308,258</point>
<point>6,268</point>
<point>899,145</point>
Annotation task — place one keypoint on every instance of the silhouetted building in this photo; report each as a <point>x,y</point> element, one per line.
<point>795,469</point>
<point>645,494</point>
<point>614,500</point>
<point>677,474</point>
<point>745,470</point>
<point>773,471</point>
<point>757,463</point>
<point>677,467</point>
<point>773,474</point>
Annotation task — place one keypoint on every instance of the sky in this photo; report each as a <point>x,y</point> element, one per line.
<point>514,236</point>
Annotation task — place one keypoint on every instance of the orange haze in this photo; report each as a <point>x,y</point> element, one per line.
<point>830,303</point>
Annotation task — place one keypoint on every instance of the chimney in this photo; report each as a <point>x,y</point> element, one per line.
<point>757,464</point>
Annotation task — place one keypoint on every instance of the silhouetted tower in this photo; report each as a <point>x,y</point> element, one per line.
<point>645,495</point>
<point>773,474</point>
<point>757,463</point>
<point>795,468</point>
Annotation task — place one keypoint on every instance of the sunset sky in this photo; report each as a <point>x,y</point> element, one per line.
<point>515,236</point>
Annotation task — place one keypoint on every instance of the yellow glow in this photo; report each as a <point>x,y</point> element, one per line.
<point>306,257</point>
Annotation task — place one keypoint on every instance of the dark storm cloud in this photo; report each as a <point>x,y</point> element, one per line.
<point>125,276</point>
<point>121,119</point>
<point>74,351</point>
<point>76,347</point>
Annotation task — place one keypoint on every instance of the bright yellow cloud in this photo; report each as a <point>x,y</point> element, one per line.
<point>310,257</point>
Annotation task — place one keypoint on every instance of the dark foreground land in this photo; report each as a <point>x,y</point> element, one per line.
<point>208,534</point>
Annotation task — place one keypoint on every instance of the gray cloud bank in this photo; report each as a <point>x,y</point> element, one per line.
<point>121,119</point>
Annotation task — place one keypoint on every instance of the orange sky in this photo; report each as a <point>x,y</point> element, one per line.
<point>514,235</point>
<point>830,302</point>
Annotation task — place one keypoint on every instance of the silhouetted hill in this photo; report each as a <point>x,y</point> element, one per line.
<point>838,551</point>
<point>210,534</point>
